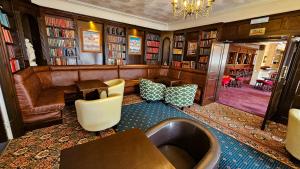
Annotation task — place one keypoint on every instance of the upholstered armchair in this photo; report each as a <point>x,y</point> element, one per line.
<point>293,135</point>
<point>97,115</point>
<point>181,96</point>
<point>116,86</point>
<point>151,91</point>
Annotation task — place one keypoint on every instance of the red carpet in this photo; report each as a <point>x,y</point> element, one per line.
<point>246,98</point>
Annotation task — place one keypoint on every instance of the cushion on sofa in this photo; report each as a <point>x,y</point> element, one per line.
<point>50,100</point>
<point>100,74</point>
<point>181,96</point>
<point>64,78</point>
<point>151,91</point>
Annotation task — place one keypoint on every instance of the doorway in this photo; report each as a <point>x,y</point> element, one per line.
<point>250,75</point>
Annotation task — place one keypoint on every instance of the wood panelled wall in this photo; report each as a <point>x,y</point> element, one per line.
<point>279,26</point>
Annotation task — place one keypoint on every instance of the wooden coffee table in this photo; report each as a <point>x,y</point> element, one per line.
<point>126,150</point>
<point>91,85</point>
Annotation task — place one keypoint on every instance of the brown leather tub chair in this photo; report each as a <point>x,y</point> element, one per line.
<point>186,144</point>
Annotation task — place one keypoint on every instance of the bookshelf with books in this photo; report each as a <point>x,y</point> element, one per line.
<point>61,39</point>
<point>11,40</point>
<point>152,51</point>
<point>206,39</point>
<point>115,45</point>
<point>178,48</point>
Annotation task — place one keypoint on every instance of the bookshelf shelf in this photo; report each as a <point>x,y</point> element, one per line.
<point>115,45</point>
<point>178,49</point>
<point>62,42</point>
<point>152,50</point>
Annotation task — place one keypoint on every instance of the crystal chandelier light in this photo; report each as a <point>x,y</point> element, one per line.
<point>195,8</point>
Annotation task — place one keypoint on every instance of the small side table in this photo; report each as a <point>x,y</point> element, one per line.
<point>91,85</point>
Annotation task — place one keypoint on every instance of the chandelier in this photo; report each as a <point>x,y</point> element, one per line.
<point>195,8</point>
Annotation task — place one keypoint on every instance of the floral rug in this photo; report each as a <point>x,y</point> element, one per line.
<point>41,148</point>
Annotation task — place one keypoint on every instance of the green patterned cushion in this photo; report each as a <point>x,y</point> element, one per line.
<point>151,91</point>
<point>181,96</point>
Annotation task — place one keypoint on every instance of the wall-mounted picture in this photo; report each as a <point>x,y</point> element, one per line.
<point>135,45</point>
<point>192,48</point>
<point>91,41</point>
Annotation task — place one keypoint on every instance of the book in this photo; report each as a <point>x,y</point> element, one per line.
<point>59,22</point>
<point>4,19</point>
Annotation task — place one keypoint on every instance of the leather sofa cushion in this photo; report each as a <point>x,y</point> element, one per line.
<point>173,73</point>
<point>133,74</point>
<point>64,78</point>
<point>100,74</point>
<point>153,73</point>
<point>131,83</point>
<point>50,100</point>
<point>31,118</point>
<point>45,79</point>
<point>28,88</point>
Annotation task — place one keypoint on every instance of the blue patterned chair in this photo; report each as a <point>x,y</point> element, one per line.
<point>181,96</point>
<point>151,91</point>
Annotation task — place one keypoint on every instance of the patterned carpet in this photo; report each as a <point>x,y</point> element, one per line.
<point>41,148</point>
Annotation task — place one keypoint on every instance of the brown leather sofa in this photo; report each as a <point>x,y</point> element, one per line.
<point>41,90</point>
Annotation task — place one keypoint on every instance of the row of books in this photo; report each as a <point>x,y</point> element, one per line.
<point>153,50</point>
<point>116,54</point>
<point>153,43</point>
<point>14,65</point>
<point>153,37</point>
<point>7,36</point>
<point>204,51</point>
<point>4,19</point>
<point>203,59</point>
<point>152,62</point>
<point>63,61</point>
<point>57,32</point>
<point>208,35</point>
<point>188,64</point>
<point>11,51</point>
<point>66,43</point>
<point>112,30</point>
<point>179,38</point>
<point>178,44</point>
<point>59,22</point>
<point>60,52</point>
<point>177,57</point>
<point>116,39</point>
<point>151,56</point>
<point>206,43</point>
<point>177,51</point>
<point>176,64</point>
<point>202,66</point>
<point>116,47</point>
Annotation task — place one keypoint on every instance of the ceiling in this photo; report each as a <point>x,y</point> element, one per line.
<point>157,14</point>
<point>159,10</point>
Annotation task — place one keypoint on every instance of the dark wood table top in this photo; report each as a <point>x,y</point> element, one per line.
<point>91,84</point>
<point>125,150</point>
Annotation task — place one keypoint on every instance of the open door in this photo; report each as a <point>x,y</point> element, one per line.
<point>274,106</point>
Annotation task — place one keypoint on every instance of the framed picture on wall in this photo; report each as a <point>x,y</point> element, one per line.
<point>91,41</point>
<point>135,45</point>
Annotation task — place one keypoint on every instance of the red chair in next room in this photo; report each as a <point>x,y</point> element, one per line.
<point>226,81</point>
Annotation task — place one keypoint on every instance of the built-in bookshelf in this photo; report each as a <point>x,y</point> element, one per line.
<point>152,48</point>
<point>61,40</point>
<point>178,48</point>
<point>206,39</point>
<point>10,37</point>
<point>116,45</point>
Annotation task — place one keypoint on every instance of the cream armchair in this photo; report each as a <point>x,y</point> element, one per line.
<point>116,86</point>
<point>97,115</point>
<point>293,135</point>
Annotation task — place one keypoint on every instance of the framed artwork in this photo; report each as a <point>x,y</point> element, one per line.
<point>135,45</point>
<point>91,41</point>
<point>192,48</point>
